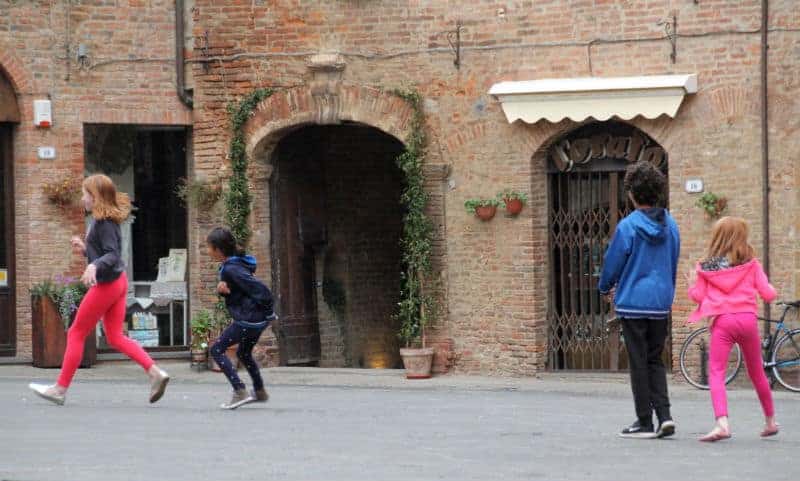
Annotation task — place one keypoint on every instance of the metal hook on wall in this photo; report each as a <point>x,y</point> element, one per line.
<point>456,44</point>
<point>671,29</point>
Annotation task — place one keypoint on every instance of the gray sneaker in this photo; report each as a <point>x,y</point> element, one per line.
<point>260,395</point>
<point>240,398</point>
<point>48,392</point>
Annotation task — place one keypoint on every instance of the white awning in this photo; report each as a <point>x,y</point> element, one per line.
<point>599,98</point>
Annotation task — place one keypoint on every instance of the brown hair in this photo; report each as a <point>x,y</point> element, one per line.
<point>729,239</point>
<point>108,203</point>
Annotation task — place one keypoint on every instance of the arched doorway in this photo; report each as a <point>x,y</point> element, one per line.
<point>586,168</point>
<point>9,115</point>
<point>336,221</point>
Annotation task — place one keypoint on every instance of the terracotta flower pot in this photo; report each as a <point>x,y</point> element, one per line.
<point>417,362</point>
<point>199,359</point>
<point>513,206</point>
<point>485,212</point>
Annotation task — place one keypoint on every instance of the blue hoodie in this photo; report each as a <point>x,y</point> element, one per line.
<point>642,262</point>
<point>250,301</point>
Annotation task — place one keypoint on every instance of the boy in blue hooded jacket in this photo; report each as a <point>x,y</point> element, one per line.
<point>249,302</point>
<point>639,271</point>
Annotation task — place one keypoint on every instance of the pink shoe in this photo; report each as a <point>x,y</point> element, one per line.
<point>767,432</point>
<point>715,435</point>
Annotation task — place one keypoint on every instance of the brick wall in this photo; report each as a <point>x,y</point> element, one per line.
<point>129,78</point>
<point>494,275</point>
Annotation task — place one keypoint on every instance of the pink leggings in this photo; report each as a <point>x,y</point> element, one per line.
<point>741,329</point>
<point>106,300</point>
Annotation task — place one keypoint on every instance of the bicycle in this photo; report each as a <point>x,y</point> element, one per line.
<point>781,355</point>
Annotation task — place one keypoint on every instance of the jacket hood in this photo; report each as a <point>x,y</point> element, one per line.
<point>246,261</point>
<point>726,280</point>
<point>651,224</point>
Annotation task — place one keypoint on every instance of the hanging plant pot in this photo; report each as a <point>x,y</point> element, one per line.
<point>513,206</point>
<point>485,212</point>
<point>417,362</point>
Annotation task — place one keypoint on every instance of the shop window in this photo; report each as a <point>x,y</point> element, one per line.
<point>146,162</point>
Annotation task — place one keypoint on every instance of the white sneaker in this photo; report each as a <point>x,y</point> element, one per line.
<point>48,392</point>
<point>240,398</point>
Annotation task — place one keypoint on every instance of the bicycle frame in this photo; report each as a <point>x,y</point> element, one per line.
<point>773,339</point>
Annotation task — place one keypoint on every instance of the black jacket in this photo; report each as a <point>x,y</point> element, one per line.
<point>250,300</point>
<point>104,249</point>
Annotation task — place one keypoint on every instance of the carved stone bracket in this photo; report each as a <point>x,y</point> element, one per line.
<point>326,79</point>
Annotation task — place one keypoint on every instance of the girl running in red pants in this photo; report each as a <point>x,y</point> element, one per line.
<point>108,290</point>
<point>725,286</point>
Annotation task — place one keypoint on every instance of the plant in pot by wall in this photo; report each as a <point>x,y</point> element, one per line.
<point>202,323</point>
<point>712,204</point>
<point>513,200</point>
<point>63,192</point>
<point>55,302</point>
<point>416,302</point>
<point>484,209</point>
<point>198,193</point>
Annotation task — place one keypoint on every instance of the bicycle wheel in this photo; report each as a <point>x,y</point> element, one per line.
<point>694,359</point>
<point>785,360</point>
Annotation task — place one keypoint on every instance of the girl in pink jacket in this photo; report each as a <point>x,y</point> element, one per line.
<point>724,286</point>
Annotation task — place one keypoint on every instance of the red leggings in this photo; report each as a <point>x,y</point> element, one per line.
<point>106,300</point>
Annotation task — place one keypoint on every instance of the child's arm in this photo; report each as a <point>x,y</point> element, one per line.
<point>697,290</point>
<point>765,289</point>
<point>614,261</point>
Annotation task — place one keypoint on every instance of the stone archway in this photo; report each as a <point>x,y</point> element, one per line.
<point>327,103</point>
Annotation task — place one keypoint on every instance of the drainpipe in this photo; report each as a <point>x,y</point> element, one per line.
<point>183,94</point>
<point>765,145</point>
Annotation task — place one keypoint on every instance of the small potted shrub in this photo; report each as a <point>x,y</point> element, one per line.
<point>55,302</point>
<point>484,209</point>
<point>513,200</point>
<point>201,325</point>
<point>199,194</point>
<point>712,204</point>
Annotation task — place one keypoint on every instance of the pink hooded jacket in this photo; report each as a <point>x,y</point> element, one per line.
<point>730,291</point>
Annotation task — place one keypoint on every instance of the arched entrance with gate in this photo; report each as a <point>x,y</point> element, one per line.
<point>586,200</point>
<point>9,115</point>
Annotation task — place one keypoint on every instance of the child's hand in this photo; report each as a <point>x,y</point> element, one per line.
<point>609,297</point>
<point>222,288</point>
<point>690,276</point>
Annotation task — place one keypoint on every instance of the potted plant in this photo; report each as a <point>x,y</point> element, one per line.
<point>712,204</point>
<point>201,325</point>
<point>63,192</point>
<point>55,302</point>
<point>198,193</point>
<point>513,200</point>
<point>484,209</point>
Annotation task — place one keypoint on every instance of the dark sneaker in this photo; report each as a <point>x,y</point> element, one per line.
<point>665,428</point>
<point>240,398</point>
<point>260,395</point>
<point>638,431</point>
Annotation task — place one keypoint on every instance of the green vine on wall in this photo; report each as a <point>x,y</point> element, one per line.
<point>238,198</point>
<point>416,305</point>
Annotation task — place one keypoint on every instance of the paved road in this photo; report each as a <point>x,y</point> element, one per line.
<point>356,425</point>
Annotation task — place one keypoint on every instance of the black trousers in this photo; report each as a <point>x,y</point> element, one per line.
<point>644,340</point>
<point>246,338</point>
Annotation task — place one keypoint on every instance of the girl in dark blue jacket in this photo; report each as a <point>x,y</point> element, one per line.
<point>249,302</point>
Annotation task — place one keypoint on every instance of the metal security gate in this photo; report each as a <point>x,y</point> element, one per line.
<point>587,199</point>
<point>585,209</point>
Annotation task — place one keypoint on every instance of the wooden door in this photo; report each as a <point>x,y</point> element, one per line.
<point>8,325</point>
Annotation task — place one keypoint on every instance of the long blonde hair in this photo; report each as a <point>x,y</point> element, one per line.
<point>729,239</point>
<point>108,203</point>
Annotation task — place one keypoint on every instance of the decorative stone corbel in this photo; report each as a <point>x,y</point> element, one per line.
<point>326,79</point>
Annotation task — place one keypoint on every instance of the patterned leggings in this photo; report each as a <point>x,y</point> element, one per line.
<point>246,338</point>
